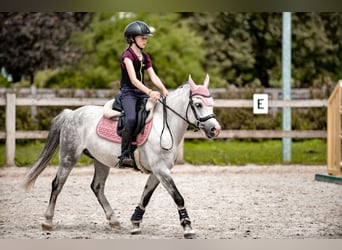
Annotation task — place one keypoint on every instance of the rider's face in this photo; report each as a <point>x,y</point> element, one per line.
<point>141,41</point>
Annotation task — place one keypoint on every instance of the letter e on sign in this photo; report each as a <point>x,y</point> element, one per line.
<point>260,104</point>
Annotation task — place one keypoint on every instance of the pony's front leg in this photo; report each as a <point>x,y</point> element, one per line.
<point>165,178</point>
<point>136,219</point>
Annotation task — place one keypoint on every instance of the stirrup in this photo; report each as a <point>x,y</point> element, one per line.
<point>126,162</point>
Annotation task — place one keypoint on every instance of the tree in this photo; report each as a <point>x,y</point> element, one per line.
<point>246,47</point>
<point>175,50</point>
<point>243,46</point>
<point>265,31</point>
<point>317,48</point>
<point>33,41</point>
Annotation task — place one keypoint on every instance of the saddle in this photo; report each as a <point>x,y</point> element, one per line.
<point>112,110</point>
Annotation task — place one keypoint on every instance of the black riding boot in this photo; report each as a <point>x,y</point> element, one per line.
<point>126,158</point>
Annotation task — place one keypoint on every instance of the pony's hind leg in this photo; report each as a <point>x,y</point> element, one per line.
<point>57,185</point>
<point>68,157</point>
<point>136,219</point>
<point>97,185</point>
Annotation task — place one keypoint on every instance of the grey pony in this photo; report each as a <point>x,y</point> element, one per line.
<point>74,131</point>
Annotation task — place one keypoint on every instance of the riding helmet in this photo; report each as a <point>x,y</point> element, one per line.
<point>134,29</point>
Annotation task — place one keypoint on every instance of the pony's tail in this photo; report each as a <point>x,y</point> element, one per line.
<point>48,151</point>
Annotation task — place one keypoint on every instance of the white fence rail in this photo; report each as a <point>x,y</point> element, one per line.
<point>11,134</point>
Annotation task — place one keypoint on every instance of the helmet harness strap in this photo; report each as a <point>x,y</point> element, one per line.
<point>134,41</point>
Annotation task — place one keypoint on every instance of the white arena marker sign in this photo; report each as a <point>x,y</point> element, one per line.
<point>260,104</point>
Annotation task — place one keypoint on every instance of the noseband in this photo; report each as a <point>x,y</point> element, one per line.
<point>198,122</point>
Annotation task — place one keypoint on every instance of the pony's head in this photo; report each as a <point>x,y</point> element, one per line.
<point>202,105</point>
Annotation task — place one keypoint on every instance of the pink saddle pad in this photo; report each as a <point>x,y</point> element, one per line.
<point>106,129</point>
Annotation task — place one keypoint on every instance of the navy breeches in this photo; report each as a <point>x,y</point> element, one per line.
<point>130,100</point>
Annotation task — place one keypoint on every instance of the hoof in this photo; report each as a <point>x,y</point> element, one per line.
<point>46,227</point>
<point>136,229</point>
<point>189,233</point>
<point>115,224</point>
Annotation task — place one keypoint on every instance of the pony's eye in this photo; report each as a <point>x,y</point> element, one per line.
<point>198,105</point>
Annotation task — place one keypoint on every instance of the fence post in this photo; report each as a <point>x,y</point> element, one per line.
<point>10,128</point>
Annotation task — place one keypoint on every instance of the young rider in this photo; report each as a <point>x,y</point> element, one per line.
<point>133,64</point>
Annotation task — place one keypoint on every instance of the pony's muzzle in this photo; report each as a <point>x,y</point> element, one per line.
<point>216,130</point>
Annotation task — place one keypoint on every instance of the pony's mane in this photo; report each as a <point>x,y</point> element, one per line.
<point>177,91</point>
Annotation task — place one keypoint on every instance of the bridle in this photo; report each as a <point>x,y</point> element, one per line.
<point>199,120</point>
<point>197,124</point>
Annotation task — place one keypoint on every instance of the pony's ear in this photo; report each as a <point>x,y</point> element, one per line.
<point>191,82</point>
<point>206,81</point>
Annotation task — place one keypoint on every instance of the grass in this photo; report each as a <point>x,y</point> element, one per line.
<point>27,153</point>
<point>233,152</point>
<point>236,152</point>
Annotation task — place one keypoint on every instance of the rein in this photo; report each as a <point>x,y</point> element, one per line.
<point>199,120</point>
<point>165,122</point>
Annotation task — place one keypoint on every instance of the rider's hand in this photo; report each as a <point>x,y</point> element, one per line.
<point>155,95</point>
<point>165,92</point>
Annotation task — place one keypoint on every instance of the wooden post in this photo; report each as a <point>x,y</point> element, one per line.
<point>34,110</point>
<point>10,129</point>
<point>334,132</point>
